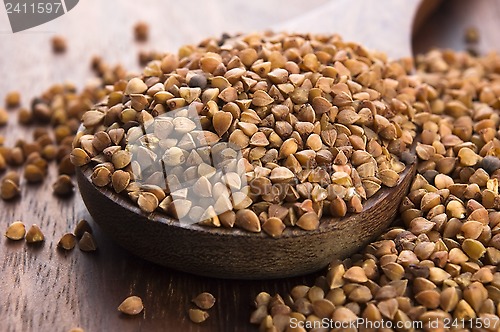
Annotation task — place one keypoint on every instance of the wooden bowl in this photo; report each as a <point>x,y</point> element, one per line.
<point>234,253</point>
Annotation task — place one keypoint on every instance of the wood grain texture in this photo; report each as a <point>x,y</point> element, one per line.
<point>234,253</point>
<point>42,289</point>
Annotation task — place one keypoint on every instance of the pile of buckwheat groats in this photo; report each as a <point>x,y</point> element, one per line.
<point>322,125</point>
<point>439,266</point>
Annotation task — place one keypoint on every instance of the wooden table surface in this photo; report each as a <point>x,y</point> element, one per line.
<point>42,289</point>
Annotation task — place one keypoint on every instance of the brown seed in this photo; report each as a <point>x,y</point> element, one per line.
<point>63,186</point>
<point>429,201</point>
<point>360,294</point>
<point>347,116</point>
<point>179,208</point>
<point>335,276</point>
<point>81,227</point>
<point>323,308</point>
<point>148,202</point>
<point>248,128</point>
<point>289,147</point>
<point>449,299</point>
<point>16,156</point>
<point>308,221</point>
<point>79,157</point>
<point>421,226</point>
<point>259,314</point>
<point>388,177</point>
<point>457,256</point>
<point>388,308</point>
<point>281,174</point>
<point>204,301</point>
<point>121,159</point>
<point>438,275</point>
<point>174,156</point>
<point>259,139</point>
<point>228,94</point>
<point>116,135</point>
<point>428,298</point>
<point>455,209</point>
<point>471,35</point>
<point>442,181</point>
<point>484,275</point>
<point>120,180</point>
<point>77,329</point>
<point>198,316</point>
<point>274,227</point>
<point>314,142</point>
<point>202,187</point>
<point>356,274</point>
<point>9,189</point>
<point>33,174</point>
<point>473,248</point>
<point>343,314</point>
<point>132,305</point>
<point>393,271</point>
<point>463,311</point>
<point>261,98</point>
<point>25,116</point>
<point>67,241</point>
<point>12,99</point>
<point>239,139</point>
<point>101,140</point>
<point>59,44</point>
<point>338,207</point>
<point>135,86</point>
<point>315,293</point>
<point>141,31</point>
<point>3,163</point>
<point>262,299</point>
<point>16,231</point>
<point>87,242</point>
<point>472,229</point>
<point>66,166</point>
<point>169,63</point>
<point>467,157</point>
<point>221,122</point>
<point>248,220</point>
<point>92,118</point>
<point>101,176</point>
<point>425,152</point>
<point>227,219</point>
<point>4,117</point>
<point>34,234</point>
<point>278,75</point>
<point>183,125</point>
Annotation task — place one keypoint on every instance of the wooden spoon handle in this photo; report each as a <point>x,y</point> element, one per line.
<point>383,25</point>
